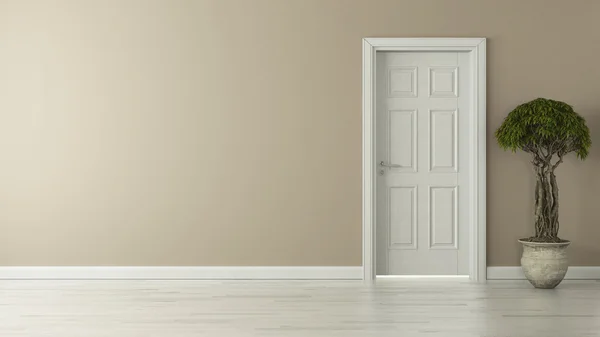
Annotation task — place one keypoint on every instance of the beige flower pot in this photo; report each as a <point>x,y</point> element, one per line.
<point>544,264</point>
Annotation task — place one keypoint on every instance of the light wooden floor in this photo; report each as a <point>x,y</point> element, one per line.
<point>399,308</point>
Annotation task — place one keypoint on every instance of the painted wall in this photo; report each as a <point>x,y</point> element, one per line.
<point>146,132</point>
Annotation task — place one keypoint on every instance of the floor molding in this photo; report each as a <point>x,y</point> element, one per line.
<point>239,273</point>
<point>182,273</point>
<point>516,273</point>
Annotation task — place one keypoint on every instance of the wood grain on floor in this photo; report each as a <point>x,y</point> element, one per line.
<point>399,308</point>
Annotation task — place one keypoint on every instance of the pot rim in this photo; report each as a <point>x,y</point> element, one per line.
<point>544,244</point>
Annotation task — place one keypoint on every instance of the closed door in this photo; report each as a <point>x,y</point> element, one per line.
<point>422,108</point>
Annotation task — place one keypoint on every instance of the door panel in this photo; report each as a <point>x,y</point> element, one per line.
<point>443,230</point>
<point>403,217</point>
<point>402,145</point>
<point>422,187</point>
<point>442,140</point>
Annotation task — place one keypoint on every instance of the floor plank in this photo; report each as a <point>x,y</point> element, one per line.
<point>411,307</point>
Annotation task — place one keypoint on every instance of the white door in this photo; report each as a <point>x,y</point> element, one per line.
<point>422,107</point>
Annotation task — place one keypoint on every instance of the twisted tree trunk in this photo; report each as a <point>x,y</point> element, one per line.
<point>546,204</point>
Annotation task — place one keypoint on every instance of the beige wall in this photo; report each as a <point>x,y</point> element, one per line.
<point>229,132</point>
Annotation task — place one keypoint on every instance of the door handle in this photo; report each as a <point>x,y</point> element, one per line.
<point>383,164</point>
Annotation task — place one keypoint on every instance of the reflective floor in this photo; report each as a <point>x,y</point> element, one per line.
<point>399,308</point>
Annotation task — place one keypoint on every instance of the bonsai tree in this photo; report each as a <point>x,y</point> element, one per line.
<point>548,130</point>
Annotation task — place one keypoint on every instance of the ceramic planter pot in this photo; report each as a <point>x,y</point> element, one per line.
<point>544,264</point>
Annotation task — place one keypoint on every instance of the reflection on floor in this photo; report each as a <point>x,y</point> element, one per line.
<point>390,307</point>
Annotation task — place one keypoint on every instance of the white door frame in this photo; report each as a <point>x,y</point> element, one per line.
<point>477,143</point>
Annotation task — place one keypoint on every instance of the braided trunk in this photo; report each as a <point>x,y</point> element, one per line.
<point>546,205</point>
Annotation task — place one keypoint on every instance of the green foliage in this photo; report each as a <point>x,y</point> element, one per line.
<point>545,124</point>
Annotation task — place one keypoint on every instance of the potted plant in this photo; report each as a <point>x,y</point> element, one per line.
<point>548,130</point>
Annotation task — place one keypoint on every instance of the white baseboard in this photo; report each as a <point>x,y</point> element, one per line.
<point>239,273</point>
<point>516,273</point>
<point>181,273</point>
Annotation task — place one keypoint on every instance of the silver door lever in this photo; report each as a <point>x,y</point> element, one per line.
<point>383,164</point>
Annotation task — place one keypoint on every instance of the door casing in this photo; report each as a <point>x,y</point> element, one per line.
<point>476,47</point>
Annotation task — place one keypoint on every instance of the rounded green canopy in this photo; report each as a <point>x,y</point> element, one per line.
<point>545,124</point>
